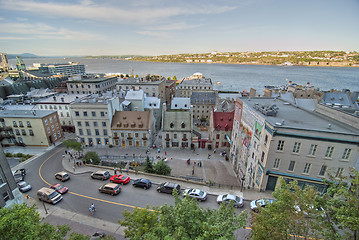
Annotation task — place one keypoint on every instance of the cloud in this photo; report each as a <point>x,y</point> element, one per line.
<point>155,34</point>
<point>173,27</point>
<point>122,13</point>
<point>43,31</point>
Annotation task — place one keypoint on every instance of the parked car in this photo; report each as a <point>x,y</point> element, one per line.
<point>229,198</point>
<point>49,195</point>
<point>19,175</point>
<point>24,186</point>
<point>142,183</point>
<point>101,175</point>
<point>59,188</point>
<point>121,179</point>
<point>97,235</point>
<point>255,204</point>
<point>195,194</point>
<point>168,187</point>
<point>110,188</point>
<point>62,176</point>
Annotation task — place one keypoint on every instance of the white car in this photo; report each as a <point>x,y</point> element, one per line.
<point>196,194</point>
<point>260,202</point>
<point>228,198</point>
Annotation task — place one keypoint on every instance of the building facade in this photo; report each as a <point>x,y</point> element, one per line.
<point>220,129</point>
<point>151,87</point>
<point>194,83</point>
<point>92,117</point>
<point>132,129</point>
<point>90,85</point>
<point>202,104</point>
<point>66,69</point>
<point>31,128</point>
<point>274,139</point>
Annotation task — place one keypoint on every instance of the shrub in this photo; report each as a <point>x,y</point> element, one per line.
<point>92,158</point>
<point>8,154</point>
<point>161,168</point>
<point>148,165</point>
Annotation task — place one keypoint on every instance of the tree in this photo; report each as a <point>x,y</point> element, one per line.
<point>174,77</point>
<point>161,168</point>
<point>294,213</point>
<point>77,146</point>
<point>148,165</point>
<point>185,220</point>
<point>23,222</point>
<point>341,206</point>
<point>92,158</point>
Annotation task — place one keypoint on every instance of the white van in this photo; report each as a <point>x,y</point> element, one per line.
<point>49,195</point>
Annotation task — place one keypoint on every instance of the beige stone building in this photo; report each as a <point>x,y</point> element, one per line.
<point>132,129</point>
<point>194,83</point>
<point>31,128</point>
<point>90,85</point>
<point>273,139</point>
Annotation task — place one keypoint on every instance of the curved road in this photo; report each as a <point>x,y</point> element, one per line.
<point>83,190</point>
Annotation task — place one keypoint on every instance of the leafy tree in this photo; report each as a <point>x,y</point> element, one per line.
<point>121,76</point>
<point>294,213</point>
<point>174,77</point>
<point>77,146</point>
<point>23,222</point>
<point>341,204</point>
<point>161,168</point>
<point>127,75</point>
<point>148,165</point>
<point>185,220</point>
<point>92,158</point>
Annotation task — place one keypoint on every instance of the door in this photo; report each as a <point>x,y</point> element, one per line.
<point>272,181</point>
<point>203,144</point>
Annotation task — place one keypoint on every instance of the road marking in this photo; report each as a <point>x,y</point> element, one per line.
<point>84,196</point>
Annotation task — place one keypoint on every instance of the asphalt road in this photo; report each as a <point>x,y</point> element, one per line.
<point>83,190</point>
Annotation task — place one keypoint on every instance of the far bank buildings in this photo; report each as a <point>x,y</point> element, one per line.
<point>274,139</point>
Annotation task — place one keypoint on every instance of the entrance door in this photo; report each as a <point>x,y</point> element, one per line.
<point>203,144</point>
<point>272,181</point>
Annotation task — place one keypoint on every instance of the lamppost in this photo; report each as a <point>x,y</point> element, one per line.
<point>242,182</point>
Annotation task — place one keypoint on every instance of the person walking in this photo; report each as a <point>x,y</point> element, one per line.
<point>209,156</point>
<point>193,170</point>
<point>115,171</point>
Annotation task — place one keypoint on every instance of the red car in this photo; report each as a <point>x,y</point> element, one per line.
<point>121,179</point>
<point>59,188</point>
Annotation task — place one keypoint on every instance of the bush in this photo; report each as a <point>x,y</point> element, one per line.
<point>161,168</point>
<point>8,154</point>
<point>92,158</point>
<point>19,155</point>
<point>148,166</point>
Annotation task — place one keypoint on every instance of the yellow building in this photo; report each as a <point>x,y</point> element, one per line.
<point>30,128</point>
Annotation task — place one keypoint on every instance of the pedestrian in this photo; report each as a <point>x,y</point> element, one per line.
<point>126,170</point>
<point>200,164</point>
<point>194,163</point>
<point>115,170</point>
<point>136,170</point>
<point>193,170</point>
<point>80,163</point>
<point>165,153</point>
<point>65,151</point>
<point>215,150</point>
<point>171,158</point>
<point>158,150</point>
<point>74,167</point>
<point>209,156</point>
<point>120,169</point>
<point>63,156</point>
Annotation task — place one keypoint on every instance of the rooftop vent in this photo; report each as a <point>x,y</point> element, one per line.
<point>329,126</point>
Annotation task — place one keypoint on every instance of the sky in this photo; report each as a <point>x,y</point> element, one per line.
<point>158,27</point>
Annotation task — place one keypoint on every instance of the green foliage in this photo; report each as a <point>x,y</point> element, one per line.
<point>8,154</point>
<point>19,155</point>
<point>161,168</point>
<point>174,77</point>
<point>148,165</point>
<point>341,205</point>
<point>295,212</point>
<point>73,145</point>
<point>121,76</point>
<point>23,222</point>
<point>185,220</point>
<point>92,158</point>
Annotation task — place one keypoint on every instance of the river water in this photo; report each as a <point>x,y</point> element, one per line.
<point>232,77</point>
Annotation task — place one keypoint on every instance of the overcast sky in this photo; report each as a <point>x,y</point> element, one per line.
<point>156,27</point>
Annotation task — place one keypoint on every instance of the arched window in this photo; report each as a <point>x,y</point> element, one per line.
<point>183,125</point>
<point>172,125</point>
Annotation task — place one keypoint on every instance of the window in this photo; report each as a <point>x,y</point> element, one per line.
<point>183,125</point>
<point>122,135</point>
<point>103,124</point>
<point>276,163</point>
<point>307,167</point>
<point>217,136</point>
<point>98,140</point>
<point>339,172</point>
<point>175,135</point>
<point>14,124</point>
<point>262,157</point>
<point>323,170</point>
<point>329,152</point>
<point>23,132</point>
<point>291,166</point>
<point>265,140</point>
<point>31,132</point>
<point>93,114</point>
<point>62,114</point>
<point>97,132</point>
<point>346,153</point>
<point>5,196</point>
<point>313,149</point>
<point>88,132</point>
<point>95,124</point>
<point>50,119</point>
<point>87,124</point>
<point>172,125</point>
<point>85,114</point>
<point>79,124</point>
<point>77,114</point>
<point>17,132</point>
<point>280,146</point>
<point>102,114</point>
<point>81,132</point>
<point>105,132</point>
<point>296,147</point>
<point>136,135</point>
